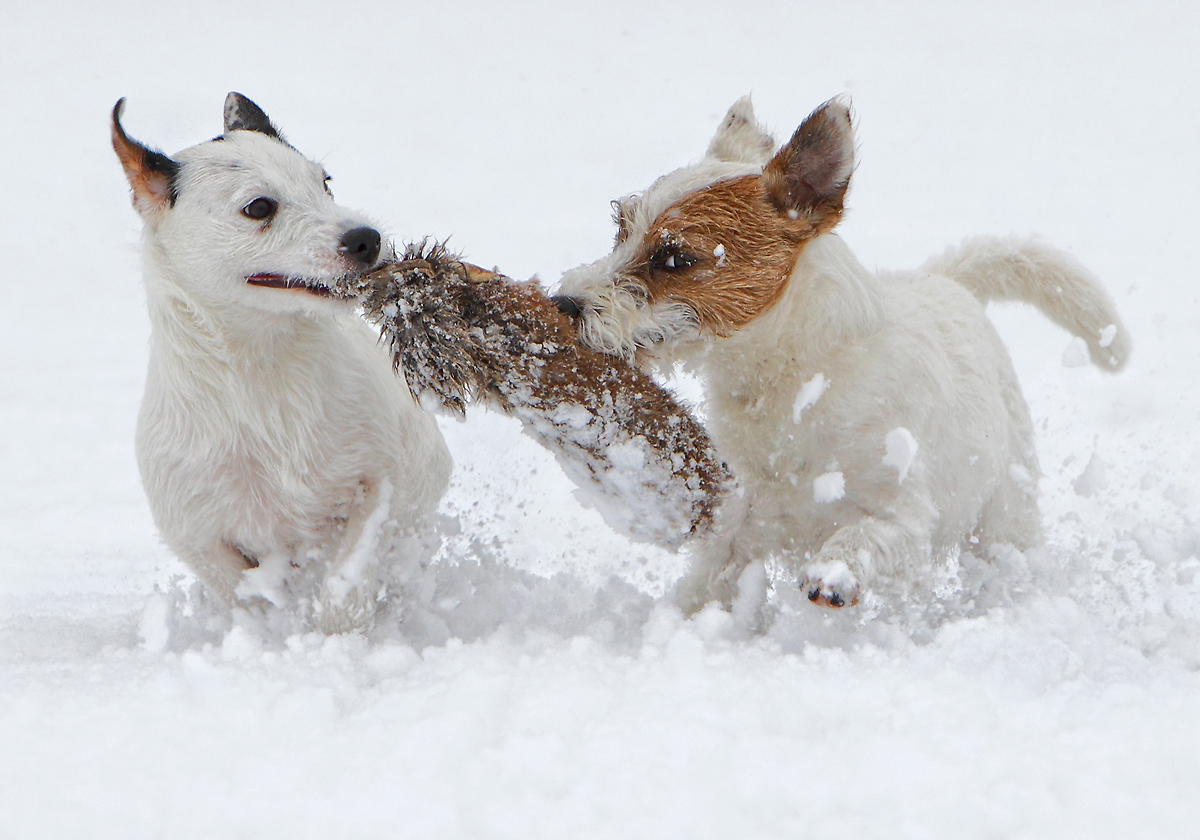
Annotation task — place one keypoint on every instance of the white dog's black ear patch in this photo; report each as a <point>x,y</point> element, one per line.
<point>243,115</point>
<point>813,170</point>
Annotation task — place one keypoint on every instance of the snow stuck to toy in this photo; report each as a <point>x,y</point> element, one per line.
<point>461,334</point>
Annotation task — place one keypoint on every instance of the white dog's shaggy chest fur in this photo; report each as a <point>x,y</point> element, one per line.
<point>874,420</point>
<point>281,457</point>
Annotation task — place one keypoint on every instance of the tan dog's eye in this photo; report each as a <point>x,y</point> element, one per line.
<point>671,258</point>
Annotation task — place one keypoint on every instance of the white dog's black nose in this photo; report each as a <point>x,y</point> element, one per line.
<point>361,244</point>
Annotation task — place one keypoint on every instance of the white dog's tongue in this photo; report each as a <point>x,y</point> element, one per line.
<point>283,281</point>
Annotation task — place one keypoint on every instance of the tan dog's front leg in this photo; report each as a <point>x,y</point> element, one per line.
<point>713,577</point>
<point>717,562</point>
<point>857,553</point>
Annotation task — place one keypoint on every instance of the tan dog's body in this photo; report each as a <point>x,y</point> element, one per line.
<point>874,421</point>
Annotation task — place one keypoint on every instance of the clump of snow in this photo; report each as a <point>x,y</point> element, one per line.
<point>900,450</point>
<point>829,487</point>
<point>430,401</point>
<point>629,456</point>
<point>832,575</point>
<point>1108,335</point>
<point>808,395</point>
<point>719,253</point>
<point>1076,353</point>
<point>269,580</point>
<point>1021,475</point>
<point>153,629</point>
<point>570,415</point>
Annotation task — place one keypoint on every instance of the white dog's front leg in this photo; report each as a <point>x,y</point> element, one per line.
<point>221,568</point>
<point>347,598</point>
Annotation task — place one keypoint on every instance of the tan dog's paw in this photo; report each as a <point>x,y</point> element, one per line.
<point>831,584</point>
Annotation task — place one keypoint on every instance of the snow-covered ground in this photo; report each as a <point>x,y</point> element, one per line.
<point>547,693</point>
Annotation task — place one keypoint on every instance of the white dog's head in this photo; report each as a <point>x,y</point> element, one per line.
<point>244,220</point>
<point>709,247</point>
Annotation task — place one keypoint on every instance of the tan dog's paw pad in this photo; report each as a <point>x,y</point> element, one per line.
<point>831,584</point>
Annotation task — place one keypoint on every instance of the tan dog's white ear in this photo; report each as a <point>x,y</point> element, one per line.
<point>810,175</point>
<point>740,139</point>
<point>151,174</point>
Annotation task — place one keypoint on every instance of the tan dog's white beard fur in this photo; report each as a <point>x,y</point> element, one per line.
<point>874,422</point>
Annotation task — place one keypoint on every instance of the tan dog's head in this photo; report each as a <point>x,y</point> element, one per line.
<point>709,247</point>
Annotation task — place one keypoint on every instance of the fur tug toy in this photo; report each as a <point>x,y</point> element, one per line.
<point>462,334</point>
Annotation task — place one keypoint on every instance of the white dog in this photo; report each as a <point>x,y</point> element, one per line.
<point>281,456</point>
<point>874,420</point>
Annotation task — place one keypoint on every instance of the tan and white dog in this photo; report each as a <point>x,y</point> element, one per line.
<point>282,458</point>
<point>874,420</point>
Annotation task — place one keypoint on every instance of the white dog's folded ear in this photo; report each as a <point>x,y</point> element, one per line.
<point>243,115</point>
<point>740,139</point>
<point>810,175</point>
<point>151,174</point>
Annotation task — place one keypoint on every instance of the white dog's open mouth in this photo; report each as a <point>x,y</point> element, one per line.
<point>283,281</point>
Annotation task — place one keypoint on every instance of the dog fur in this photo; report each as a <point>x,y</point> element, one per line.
<point>874,420</point>
<point>281,456</point>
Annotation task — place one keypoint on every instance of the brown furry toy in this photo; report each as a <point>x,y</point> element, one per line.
<point>462,334</point>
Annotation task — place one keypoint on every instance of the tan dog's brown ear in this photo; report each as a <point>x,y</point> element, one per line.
<point>809,176</point>
<point>151,174</point>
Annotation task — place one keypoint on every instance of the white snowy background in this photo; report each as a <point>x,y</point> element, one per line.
<point>1053,695</point>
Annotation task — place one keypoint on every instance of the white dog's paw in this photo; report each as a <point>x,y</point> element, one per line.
<point>831,584</point>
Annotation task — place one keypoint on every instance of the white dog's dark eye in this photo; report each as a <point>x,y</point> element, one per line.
<point>259,209</point>
<point>328,191</point>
